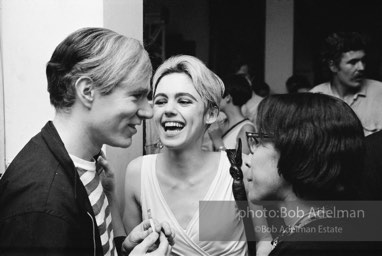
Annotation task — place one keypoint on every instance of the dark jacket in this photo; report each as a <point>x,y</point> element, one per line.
<point>44,208</point>
<point>371,188</point>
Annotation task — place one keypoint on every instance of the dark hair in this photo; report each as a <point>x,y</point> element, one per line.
<point>341,42</point>
<point>261,88</point>
<point>320,141</point>
<point>103,56</point>
<point>238,87</point>
<point>296,82</point>
<point>238,61</point>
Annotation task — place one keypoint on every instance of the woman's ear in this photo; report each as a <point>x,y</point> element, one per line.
<point>85,91</point>
<point>211,115</point>
<point>228,98</point>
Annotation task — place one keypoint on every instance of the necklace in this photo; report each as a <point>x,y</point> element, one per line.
<point>233,126</point>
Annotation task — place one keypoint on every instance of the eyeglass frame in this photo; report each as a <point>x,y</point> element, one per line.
<point>255,136</point>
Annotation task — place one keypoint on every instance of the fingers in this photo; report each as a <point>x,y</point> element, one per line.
<point>146,225</point>
<point>102,154</point>
<point>143,247</point>
<point>137,235</point>
<point>142,230</point>
<point>169,233</point>
<point>158,226</point>
<point>104,163</point>
<point>106,174</point>
<point>164,247</point>
<point>167,230</point>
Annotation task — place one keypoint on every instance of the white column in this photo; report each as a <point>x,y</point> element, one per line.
<point>124,17</point>
<point>2,121</point>
<point>278,43</point>
<point>30,31</point>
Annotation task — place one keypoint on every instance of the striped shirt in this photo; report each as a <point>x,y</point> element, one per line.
<point>98,200</point>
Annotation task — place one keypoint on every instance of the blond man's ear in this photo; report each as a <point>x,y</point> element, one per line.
<point>85,90</point>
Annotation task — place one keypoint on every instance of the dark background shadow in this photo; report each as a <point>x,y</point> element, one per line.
<point>220,31</point>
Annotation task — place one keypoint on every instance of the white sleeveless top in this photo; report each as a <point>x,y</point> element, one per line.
<point>230,137</point>
<point>187,240</point>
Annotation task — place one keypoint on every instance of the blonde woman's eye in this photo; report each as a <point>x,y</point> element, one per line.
<point>185,101</point>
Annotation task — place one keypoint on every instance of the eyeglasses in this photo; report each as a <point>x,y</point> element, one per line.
<point>254,139</point>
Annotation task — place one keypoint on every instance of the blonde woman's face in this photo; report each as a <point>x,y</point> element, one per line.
<point>178,111</point>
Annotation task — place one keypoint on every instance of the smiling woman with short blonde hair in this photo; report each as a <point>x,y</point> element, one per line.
<point>172,183</point>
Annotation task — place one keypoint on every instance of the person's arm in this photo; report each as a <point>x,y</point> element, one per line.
<point>140,238</point>
<point>132,212</point>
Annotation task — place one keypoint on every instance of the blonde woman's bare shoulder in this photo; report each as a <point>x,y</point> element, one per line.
<point>135,165</point>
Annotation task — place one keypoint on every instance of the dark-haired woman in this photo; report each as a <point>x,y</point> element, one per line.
<point>309,148</point>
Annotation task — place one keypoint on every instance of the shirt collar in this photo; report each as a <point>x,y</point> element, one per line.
<point>361,92</point>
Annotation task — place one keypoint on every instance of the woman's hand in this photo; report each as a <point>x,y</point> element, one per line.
<point>106,175</point>
<point>164,247</point>
<point>141,239</point>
